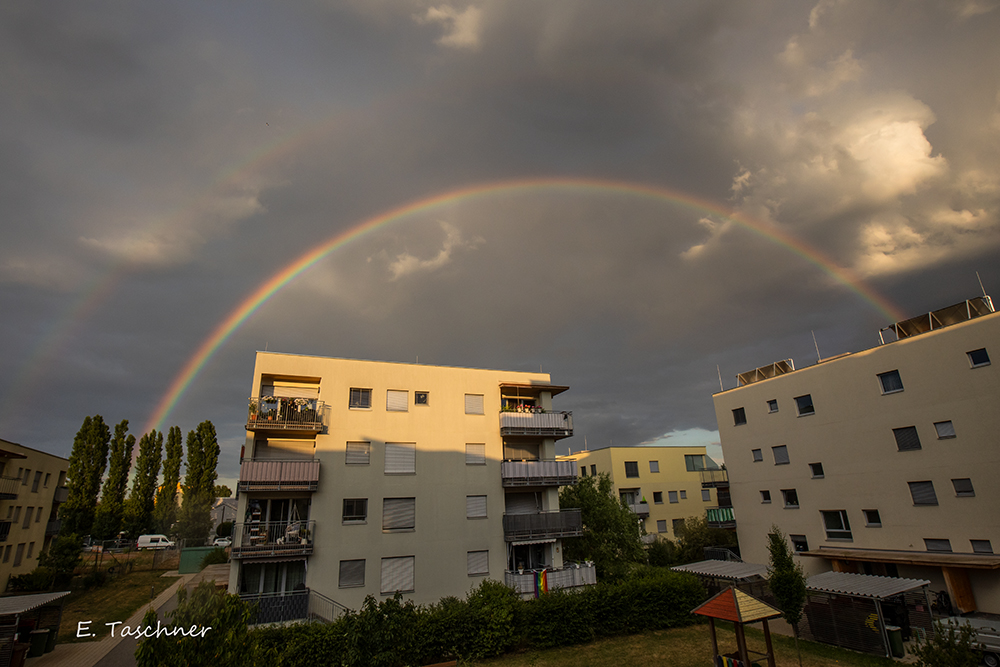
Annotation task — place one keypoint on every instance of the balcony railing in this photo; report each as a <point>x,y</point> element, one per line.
<point>52,527</point>
<point>641,509</point>
<point>278,607</point>
<point>720,517</point>
<point>275,475</point>
<point>9,487</point>
<point>571,576</point>
<point>322,608</point>
<point>538,473</point>
<point>258,539</point>
<point>61,495</point>
<point>273,413</point>
<point>542,525</point>
<point>548,424</point>
<point>5,530</point>
<point>714,478</point>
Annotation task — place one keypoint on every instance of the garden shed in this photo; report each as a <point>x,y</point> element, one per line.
<point>717,575</point>
<point>29,623</point>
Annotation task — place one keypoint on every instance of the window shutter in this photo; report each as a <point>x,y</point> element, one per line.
<point>352,573</point>
<point>661,525</point>
<point>706,495</point>
<point>399,513</point>
<point>672,496</point>
<point>397,575</point>
<point>906,438</point>
<point>397,401</point>
<point>520,503</point>
<point>923,493</point>
<point>780,454</point>
<point>475,454</point>
<point>359,453</point>
<point>290,391</point>
<point>654,466</point>
<point>474,404</point>
<point>475,507</point>
<point>400,457</point>
<point>479,562</point>
<point>963,487</point>
<point>945,429</point>
<point>937,545</point>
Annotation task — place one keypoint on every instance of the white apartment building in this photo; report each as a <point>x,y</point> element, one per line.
<point>367,478</point>
<point>878,462</point>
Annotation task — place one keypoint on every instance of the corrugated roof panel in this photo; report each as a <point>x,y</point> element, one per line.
<point>18,604</point>
<point>862,585</point>
<point>724,569</point>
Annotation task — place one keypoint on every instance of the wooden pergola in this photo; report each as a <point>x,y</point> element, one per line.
<point>734,605</point>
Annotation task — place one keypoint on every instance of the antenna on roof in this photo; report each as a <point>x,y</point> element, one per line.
<point>818,356</point>
<point>980,283</point>
<point>719,371</point>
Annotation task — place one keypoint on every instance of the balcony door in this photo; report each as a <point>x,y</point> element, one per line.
<point>259,578</point>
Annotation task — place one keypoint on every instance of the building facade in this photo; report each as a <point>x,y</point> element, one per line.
<point>878,462</point>
<point>32,486</point>
<point>367,478</point>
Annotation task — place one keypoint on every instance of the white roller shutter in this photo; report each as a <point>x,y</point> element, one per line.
<point>521,503</point>
<point>474,404</point>
<point>478,562</point>
<point>352,573</point>
<point>397,401</point>
<point>397,574</point>
<point>399,513</point>
<point>520,451</point>
<point>358,453</point>
<point>475,507</point>
<point>400,458</point>
<point>475,454</point>
<point>290,390</point>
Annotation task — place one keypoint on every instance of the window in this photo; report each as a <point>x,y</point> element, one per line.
<point>360,398</point>
<point>17,514</point>
<point>397,575</point>
<point>19,554</point>
<point>923,493</point>
<point>937,545</point>
<point>684,495</point>
<point>355,510</point>
<point>38,480</point>
<point>772,405</point>
<point>804,405</point>
<point>765,497</point>
<point>352,573</point>
<point>397,400</point>
<point>757,455</point>
<point>477,563</point>
<point>906,438</point>
<point>817,470</point>
<point>10,510</point>
<point>400,458</point>
<point>593,470</point>
<point>799,542</point>
<point>780,455</point>
<point>583,470</point>
<point>359,453</point>
<point>944,430</point>
<point>654,466</point>
<point>739,417</point>
<point>672,496</point>
<point>475,507</point>
<point>6,553</point>
<point>872,519</point>
<point>474,404</point>
<point>475,453</point>
<point>661,525</point>
<point>791,498</point>
<point>421,398</point>
<point>678,524</point>
<point>31,549</point>
<point>963,487</point>
<point>38,515</point>
<point>657,497</point>
<point>891,382</point>
<point>706,495</point>
<point>46,482</point>
<point>399,513</point>
<point>836,524</point>
<point>27,474</point>
<point>978,358</point>
<point>631,468</point>
<point>694,462</point>
<point>27,517</point>
<point>981,546</point>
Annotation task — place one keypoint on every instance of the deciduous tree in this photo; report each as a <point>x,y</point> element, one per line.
<point>786,581</point>
<point>86,467</point>
<point>112,508</point>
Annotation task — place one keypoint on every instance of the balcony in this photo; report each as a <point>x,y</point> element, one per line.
<point>641,509</point>
<point>287,415</point>
<point>278,607</point>
<point>542,525</point>
<point>711,479</point>
<point>720,517</point>
<point>61,495</point>
<point>538,473</point>
<point>9,487</point>
<point>571,576</point>
<point>52,527</point>
<point>5,530</point>
<point>537,422</point>
<point>275,475</point>
<point>258,539</point>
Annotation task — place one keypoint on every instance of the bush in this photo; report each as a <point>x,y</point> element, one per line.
<point>95,579</point>
<point>661,553</point>
<point>948,647</point>
<point>214,557</point>
<point>39,579</point>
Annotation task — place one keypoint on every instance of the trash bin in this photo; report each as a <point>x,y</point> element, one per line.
<point>895,640</point>
<point>50,645</point>
<point>38,640</point>
<point>17,654</point>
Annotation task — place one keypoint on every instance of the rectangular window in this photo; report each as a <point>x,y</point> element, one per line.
<point>27,517</point>
<point>474,404</point>
<point>27,474</point>
<point>837,525</point>
<point>906,438</point>
<point>475,453</point>
<point>400,458</point>
<point>672,496</point>
<point>739,417</point>
<point>937,545</point>
<point>355,510</point>
<point>706,495</point>
<point>37,481</point>
<point>397,400</point>
<point>352,573</point>
<point>397,575</point>
<point>657,497</point>
<point>765,497</point>
<point>981,546</point>
<point>17,514</point>
<point>6,553</point>
<point>963,487</point>
<point>694,462</point>
<point>654,466</point>
<point>978,358</point>
<point>757,455</point>
<point>799,542</point>
<point>45,484</point>
<point>661,525</point>
<point>583,471</point>
<point>475,507</point>
<point>359,453</point>
<point>478,563</point>
<point>923,493</point>
<point>593,470</point>
<point>421,398</point>
<point>872,518</point>
<point>804,405</point>
<point>817,470</point>
<point>631,468</point>
<point>790,497</point>
<point>684,495</point>
<point>38,515</point>
<point>19,554</point>
<point>772,405</point>
<point>678,525</point>
<point>944,430</point>
<point>399,513</point>
<point>360,398</point>
<point>31,549</point>
<point>890,382</point>
<point>780,455</point>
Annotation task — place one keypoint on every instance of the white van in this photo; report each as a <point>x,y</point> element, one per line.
<point>154,542</point>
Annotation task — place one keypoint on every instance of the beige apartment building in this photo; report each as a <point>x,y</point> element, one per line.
<point>663,485</point>
<point>880,462</point>
<point>367,478</point>
<point>32,486</point>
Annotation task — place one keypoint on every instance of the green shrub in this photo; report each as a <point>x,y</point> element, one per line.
<point>214,557</point>
<point>39,579</point>
<point>95,579</point>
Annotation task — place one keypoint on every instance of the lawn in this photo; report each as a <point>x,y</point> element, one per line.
<point>685,647</point>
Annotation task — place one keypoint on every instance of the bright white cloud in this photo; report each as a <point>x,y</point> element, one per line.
<point>406,264</point>
<point>463,29</point>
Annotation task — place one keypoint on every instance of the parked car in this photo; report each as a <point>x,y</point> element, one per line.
<point>154,542</point>
<point>222,542</point>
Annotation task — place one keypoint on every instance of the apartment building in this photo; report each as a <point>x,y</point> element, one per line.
<point>880,462</point>
<point>367,478</point>
<point>32,486</point>
<point>663,485</point>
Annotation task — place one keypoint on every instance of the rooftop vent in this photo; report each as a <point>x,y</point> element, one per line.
<point>765,372</point>
<point>960,312</point>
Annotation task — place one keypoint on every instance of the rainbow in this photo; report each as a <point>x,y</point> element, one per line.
<point>272,285</point>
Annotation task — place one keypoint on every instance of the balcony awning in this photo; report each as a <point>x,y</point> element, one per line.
<point>545,541</point>
<point>554,388</point>
<point>18,604</point>
<point>931,558</point>
<point>862,585</point>
<point>4,454</point>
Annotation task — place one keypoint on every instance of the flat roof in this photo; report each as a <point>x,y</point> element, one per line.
<point>941,559</point>
<point>18,604</point>
<point>863,585</point>
<point>724,569</point>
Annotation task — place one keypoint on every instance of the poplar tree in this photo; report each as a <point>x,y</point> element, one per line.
<point>786,581</point>
<point>165,512</point>
<point>86,467</point>
<point>110,512</point>
<point>139,508</point>
<point>195,519</point>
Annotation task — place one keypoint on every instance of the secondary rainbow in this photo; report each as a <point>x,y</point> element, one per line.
<point>272,285</point>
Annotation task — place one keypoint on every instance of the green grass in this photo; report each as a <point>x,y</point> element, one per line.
<point>115,601</point>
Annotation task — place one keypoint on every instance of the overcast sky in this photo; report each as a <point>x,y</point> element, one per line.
<point>159,162</point>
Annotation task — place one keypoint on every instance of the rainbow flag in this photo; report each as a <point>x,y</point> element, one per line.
<point>541,583</point>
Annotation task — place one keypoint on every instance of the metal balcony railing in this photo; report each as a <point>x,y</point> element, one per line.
<point>279,475</point>
<point>52,527</point>
<point>61,495</point>
<point>5,530</point>
<point>322,608</point>
<point>540,422</point>
<point>641,509</point>
<point>278,607</point>
<point>272,413</point>
<point>9,487</point>
<point>538,473</point>
<point>571,576</point>
<point>542,525</point>
<point>714,478</point>
<point>258,539</point>
<point>720,517</point>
